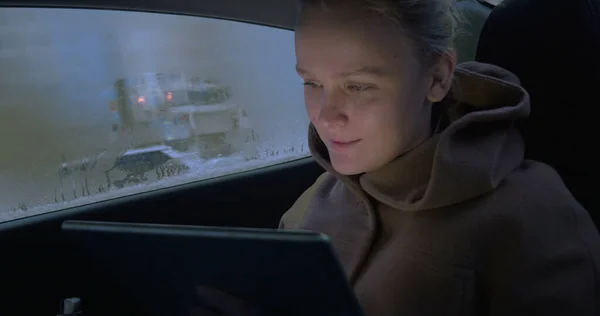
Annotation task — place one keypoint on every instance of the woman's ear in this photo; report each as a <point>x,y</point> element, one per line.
<point>442,74</point>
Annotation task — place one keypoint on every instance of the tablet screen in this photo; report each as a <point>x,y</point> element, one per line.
<point>161,266</point>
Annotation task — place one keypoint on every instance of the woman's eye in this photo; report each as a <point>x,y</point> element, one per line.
<point>311,84</point>
<point>358,87</point>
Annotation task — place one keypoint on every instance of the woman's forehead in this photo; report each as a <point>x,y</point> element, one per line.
<point>348,44</point>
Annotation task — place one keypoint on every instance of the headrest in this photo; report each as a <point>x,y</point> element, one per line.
<point>553,46</point>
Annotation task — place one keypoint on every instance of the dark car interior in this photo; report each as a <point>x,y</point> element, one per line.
<point>526,38</point>
<point>551,45</point>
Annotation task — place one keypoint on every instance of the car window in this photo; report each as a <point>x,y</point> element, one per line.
<point>99,104</point>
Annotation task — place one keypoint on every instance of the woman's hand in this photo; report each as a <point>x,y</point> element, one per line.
<point>214,302</point>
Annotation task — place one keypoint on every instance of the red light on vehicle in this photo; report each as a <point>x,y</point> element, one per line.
<point>169,96</point>
<point>141,100</point>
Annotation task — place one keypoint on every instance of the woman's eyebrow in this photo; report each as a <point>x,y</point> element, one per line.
<point>364,70</point>
<point>300,71</point>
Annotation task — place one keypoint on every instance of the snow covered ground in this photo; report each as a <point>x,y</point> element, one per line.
<point>199,170</point>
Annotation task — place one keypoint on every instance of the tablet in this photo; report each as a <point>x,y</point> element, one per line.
<point>160,266</point>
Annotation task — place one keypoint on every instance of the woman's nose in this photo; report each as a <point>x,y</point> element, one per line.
<point>333,111</point>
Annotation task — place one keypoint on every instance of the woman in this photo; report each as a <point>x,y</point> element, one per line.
<point>427,198</point>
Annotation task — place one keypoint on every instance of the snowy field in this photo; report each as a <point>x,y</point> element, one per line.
<point>199,170</point>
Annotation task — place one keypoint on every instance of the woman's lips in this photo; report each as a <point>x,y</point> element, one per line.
<point>342,145</point>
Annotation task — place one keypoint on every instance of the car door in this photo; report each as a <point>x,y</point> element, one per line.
<point>58,142</point>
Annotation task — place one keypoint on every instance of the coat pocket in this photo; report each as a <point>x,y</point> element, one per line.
<point>413,284</point>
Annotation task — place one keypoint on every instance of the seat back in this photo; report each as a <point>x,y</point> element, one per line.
<point>553,46</point>
<point>474,14</point>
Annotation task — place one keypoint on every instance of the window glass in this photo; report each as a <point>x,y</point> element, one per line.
<point>101,104</point>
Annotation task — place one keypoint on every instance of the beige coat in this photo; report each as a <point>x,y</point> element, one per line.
<point>462,224</point>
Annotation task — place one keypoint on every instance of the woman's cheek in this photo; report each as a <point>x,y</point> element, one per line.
<point>313,106</point>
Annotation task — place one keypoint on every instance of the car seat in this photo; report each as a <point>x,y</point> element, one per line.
<point>473,14</point>
<point>553,46</point>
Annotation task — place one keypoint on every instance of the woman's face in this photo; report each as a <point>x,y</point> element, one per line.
<point>366,91</point>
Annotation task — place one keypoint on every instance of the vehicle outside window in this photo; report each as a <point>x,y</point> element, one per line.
<point>183,112</point>
<point>129,102</point>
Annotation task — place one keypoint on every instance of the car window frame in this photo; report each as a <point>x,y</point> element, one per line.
<point>214,9</point>
<point>281,13</point>
<point>490,3</point>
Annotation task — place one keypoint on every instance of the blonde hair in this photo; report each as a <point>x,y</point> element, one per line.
<point>431,24</point>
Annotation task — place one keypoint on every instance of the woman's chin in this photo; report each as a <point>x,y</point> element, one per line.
<point>345,166</point>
